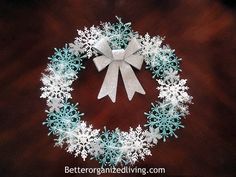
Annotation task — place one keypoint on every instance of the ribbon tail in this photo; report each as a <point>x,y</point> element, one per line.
<point>130,80</point>
<point>109,85</point>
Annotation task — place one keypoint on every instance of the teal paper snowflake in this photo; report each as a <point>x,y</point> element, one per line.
<point>66,119</point>
<point>111,145</point>
<point>162,61</point>
<point>119,34</point>
<point>165,118</point>
<point>65,62</point>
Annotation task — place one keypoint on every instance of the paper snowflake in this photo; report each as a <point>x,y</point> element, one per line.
<point>54,104</point>
<point>165,118</point>
<point>136,145</point>
<point>55,86</point>
<point>173,89</point>
<point>118,34</point>
<point>76,48</point>
<point>152,135</point>
<point>85,41</point>
<point>162,61</point>
<point>66,119</point>
<point>79,140</point>
<point>96,148</point>
<point>65,62</point>
<point>150,46</point>
<point>111,144</point>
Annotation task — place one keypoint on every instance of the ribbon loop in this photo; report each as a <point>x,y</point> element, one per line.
<point>101,62</point>
<point>103,47</point>
<point>132,47</point>
<point>119,60</point>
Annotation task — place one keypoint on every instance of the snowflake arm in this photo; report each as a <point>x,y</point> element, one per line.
<point>153,135</point>
<point>54,104</point>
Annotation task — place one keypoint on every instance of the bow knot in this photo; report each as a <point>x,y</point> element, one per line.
<point>119,59</point>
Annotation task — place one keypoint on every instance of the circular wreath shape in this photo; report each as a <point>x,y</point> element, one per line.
<point>113,147</point>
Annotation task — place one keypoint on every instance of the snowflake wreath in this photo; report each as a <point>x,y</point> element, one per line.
<point>111,148</point>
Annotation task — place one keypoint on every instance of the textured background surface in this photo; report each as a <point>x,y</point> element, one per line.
<point>203,34</point>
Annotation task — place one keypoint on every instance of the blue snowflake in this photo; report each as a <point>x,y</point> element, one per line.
<point>163,61</point>
<point>110,141</point>
<point>119,34</point>
<point>65,62</point>
<point>66,119</point>
<point>165,118</point>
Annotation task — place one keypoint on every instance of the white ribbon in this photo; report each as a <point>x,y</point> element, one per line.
<point>119,60</point>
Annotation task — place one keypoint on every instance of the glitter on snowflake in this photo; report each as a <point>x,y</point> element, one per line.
<point>80,140</point>
<point>76,48</point>
<point>66,119</point>
<point>150,46</point>
<point>54,104</point>
<point>86,40</point>
<point>162,61</point>
<point>65,62</point>
<point>171,75</point>
<point>111,144</point>
<point>153,135</point>
<point>166,118</point>
<point>173,89</point>
<point>136,145</point>
<point>118,34</point>
<point>55,86</point>
<point>96,148</point>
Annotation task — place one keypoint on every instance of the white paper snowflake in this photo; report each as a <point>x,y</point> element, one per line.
<point>171,75</point>
<point>96,148</point>
<point>55,86</point>
<point>54,104</point>
<point>173,89</point>
<point>76,47</point>
<point>86,40</point>
<point>80,140</point>
<point>150,46</point>
<point>135,144</point>
<point>153,135</point>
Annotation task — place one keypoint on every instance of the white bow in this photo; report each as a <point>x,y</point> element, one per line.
<point>119,59</point>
